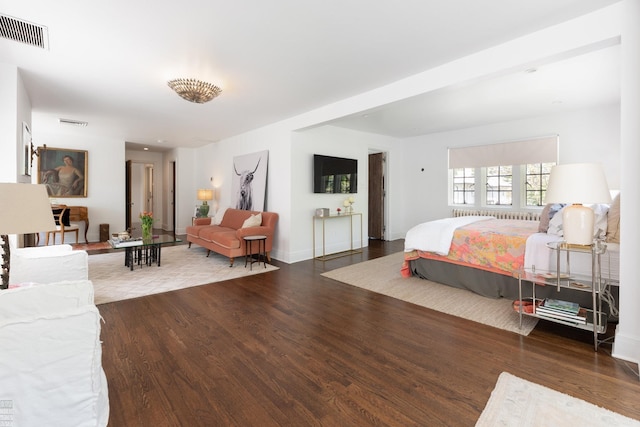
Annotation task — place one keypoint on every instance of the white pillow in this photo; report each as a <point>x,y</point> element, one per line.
<point>253,221</point>
<point>217,219</point>
<point>600,220</point>
<point>555,224</point>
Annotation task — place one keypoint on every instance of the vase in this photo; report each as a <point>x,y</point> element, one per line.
<point>146,231</point>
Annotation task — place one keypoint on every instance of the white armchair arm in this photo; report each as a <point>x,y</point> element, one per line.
<point>48,264</point>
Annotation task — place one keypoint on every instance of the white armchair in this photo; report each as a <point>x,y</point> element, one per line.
<point>51,365</point>
<point>47,264</point>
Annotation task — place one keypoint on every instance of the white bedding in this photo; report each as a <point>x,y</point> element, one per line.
<point>538,255</point>
<point>435,236</point>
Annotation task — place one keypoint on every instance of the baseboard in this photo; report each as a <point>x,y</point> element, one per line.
<point>626,347</point>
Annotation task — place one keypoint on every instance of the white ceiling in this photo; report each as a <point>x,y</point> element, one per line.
<point>578,82</point>
<point>108,63</point>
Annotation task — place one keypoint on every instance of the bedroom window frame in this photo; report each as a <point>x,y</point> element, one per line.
<point>468,186</point>
<point>503,178</point>
<point>517,154</point>
<point>539,187</point>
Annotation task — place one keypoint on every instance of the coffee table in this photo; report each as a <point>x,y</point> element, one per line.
<point>147,251</point>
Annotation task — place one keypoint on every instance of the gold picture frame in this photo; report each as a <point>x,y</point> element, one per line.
<point>63,171</point>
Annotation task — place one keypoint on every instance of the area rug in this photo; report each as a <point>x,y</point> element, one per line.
<point>180,267</point>
<point>382,275</point>
<point>520,403</point>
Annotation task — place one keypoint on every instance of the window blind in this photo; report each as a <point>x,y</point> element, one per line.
<point>538,150</point>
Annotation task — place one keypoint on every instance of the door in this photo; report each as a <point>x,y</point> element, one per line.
<point>376,196</point>
<point>139,192</point>
<point>173,198</point>
<point>148,188</point>
<point>127,196</point>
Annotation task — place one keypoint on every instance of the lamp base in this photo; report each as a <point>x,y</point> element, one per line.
<point>203,211</point>
<point>577,224</point>
<point>6,257</point>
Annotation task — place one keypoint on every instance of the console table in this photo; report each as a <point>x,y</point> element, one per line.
<point>323,220</point>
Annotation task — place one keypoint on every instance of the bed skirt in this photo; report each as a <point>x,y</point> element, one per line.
<point>492,285</point>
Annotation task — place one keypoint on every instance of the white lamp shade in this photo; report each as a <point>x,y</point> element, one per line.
<point>205,194</point>
<point>577,184</point>
<point>583,183</point>
<point>25,208</point>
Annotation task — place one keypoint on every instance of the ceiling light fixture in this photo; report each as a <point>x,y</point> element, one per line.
<point>194,90</point>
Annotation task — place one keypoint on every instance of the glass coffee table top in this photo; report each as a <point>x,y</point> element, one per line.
<point>140,251</point>
<point>158,239</point>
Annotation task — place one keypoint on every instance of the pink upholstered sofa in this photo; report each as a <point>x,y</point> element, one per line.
<point>226,238</point>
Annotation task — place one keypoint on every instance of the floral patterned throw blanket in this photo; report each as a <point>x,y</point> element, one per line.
<point>495,245</point>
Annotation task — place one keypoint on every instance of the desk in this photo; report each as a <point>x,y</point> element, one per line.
<point>323,219</point>
<point>80,213</point>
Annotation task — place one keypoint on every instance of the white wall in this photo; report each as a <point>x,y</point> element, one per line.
<point>15,108</point>
<point>338,142</point>
<point>24,116</point>
<point>627,342</point>
<point>585,136</point>
<point>185,185</point>
<point>106,179</point>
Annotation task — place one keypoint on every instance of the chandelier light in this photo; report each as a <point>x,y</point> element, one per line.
<point>194,90</point>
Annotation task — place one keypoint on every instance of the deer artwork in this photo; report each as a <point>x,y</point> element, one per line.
<point>244,199</point>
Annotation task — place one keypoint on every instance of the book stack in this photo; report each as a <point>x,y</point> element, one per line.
<point>125,243</point>
<point>562,310</point>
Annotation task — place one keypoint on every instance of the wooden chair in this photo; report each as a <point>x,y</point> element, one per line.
<point>58,214</point>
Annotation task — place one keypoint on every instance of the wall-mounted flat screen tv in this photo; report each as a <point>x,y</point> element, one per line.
<point>334,174</point>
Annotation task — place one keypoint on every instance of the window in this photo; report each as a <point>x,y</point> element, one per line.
<point>499,185</point>
<point>464,186</point>
<point>509,174</point>
<point>537,179</point>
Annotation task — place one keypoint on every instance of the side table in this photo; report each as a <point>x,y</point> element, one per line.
<point>262,250</point>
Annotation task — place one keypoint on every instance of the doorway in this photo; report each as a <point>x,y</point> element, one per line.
<point>377,196</point>
<point>139,192</point>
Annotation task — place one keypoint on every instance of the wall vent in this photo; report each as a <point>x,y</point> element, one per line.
<point>73,122</point>
<point>25,32</point>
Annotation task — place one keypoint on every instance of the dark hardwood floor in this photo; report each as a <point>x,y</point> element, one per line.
<point>292,348</point>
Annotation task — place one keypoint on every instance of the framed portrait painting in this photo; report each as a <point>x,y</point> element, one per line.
<point>63,171</point>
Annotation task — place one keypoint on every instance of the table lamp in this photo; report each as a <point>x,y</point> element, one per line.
<point>204,195</point>
<point>24,209</point>
<point>578,184</point>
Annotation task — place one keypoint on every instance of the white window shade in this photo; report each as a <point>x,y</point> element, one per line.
<point>539,150</point>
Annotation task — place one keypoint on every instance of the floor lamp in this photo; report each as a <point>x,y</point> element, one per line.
<point>578,184</point>
<point>25,208</point>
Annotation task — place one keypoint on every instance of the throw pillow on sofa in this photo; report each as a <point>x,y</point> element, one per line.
<point>217,219</point>
<point>253,221</point>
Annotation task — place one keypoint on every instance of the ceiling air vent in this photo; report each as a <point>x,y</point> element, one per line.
<point>73,122</point>
<point>25,32</point>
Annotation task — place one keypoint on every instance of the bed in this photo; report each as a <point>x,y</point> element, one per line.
<point>484,254</point>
